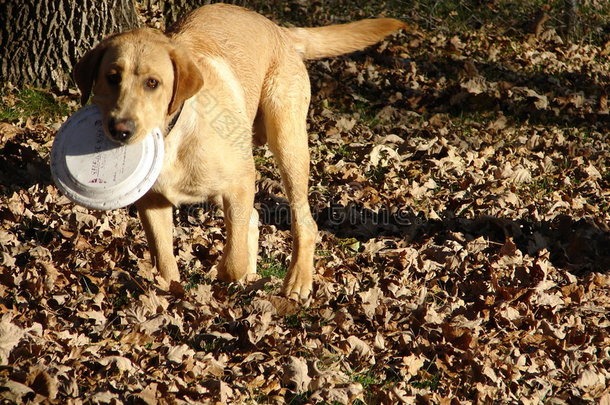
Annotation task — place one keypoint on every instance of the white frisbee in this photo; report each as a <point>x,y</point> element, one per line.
<point>94,171</point>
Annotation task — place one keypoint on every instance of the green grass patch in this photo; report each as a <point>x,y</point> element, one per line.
<point>304,319</point>
<point>121,300</point>
<point>431,383</point>
<point>372,383</point>
<point>377,174</point>
<point>271,267</point>
<point>366,379</point>
<point>349,245</point>
<point>344,153</point>
<point>260,159</point>
<point>324,253</point>
<point>367,113</point>
<point>543,186</point>
<point>360,108</point>
<point>194,279</point>
<point>293,321</point>
<point>30,103</point>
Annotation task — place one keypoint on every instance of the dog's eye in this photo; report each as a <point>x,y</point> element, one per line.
<point>113,78</point>
<point>152,83</point>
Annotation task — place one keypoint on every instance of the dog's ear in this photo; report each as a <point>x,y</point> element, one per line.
<point>86,70</point>
<point>187,79</point>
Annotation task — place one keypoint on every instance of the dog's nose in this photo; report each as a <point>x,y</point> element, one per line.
<point>121,130</point>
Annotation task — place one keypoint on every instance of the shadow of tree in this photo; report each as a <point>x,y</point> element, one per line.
<point>21,167</point>
<point>576,245</point>
<point>560,89</point>
<point>572,98</point>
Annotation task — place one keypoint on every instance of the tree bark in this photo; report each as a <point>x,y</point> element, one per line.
<point>173,10</point>
<point>41,40</point>
<point>571,20</point>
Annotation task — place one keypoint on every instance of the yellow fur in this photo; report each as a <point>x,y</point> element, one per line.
<point>229,70</point>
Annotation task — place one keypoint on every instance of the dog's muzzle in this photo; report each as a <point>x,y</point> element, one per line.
<point>121,130</point>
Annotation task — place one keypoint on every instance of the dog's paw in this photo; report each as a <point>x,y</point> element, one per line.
<point>168,274</point>
<point>249,278</point>
<point>169,271</point>
<point>298,284</point>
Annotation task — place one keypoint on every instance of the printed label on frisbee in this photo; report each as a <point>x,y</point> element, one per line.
<point>96,172</point>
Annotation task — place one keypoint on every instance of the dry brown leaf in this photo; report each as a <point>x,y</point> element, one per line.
<point>121,363</point>
<point>10,336</point>
<point>149,394</point>
<point>413,364</point>
<point>42,383</point>
<point>14,391</point>
<point>590,377</point>
<point>360,350</point>
<point>296,375</point>
<point>176,354</point>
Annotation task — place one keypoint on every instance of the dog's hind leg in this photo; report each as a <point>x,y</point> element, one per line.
<point>285,102</point>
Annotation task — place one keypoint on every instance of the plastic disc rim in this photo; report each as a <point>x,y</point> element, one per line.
<point>85,164</point>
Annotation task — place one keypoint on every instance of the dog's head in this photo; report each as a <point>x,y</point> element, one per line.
<point>139,79</point>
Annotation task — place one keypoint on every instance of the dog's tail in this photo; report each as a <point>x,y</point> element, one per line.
<point>333,40</point>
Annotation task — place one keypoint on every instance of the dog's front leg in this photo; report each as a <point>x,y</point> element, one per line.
<point>156,215</point>
<point>241,222</point>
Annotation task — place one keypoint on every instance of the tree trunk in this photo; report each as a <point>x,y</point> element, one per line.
<point>173,10</point>
<point>571,20</point>
<point>41,40</point>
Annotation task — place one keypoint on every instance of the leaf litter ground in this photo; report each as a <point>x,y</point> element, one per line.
<point>461,186</point>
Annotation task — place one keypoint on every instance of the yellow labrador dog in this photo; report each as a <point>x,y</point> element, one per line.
<point>215,83</point>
